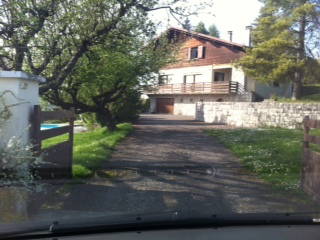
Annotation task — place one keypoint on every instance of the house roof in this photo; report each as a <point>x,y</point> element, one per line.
<point>206,37</point>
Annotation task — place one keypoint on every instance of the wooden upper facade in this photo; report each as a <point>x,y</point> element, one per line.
<point>198,49</point>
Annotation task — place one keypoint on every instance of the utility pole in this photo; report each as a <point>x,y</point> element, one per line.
<point>230,35</point>
<point>250,34</point>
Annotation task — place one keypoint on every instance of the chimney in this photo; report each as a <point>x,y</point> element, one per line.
<point>250,34</point>
<point>230,35</point>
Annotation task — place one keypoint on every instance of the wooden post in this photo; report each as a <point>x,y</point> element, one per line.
<point>36,129</point>
<point>306,132</point>
<point>71,138</point>
<point>305,152</point>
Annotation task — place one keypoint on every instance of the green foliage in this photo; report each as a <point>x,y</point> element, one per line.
<point>49,37</point>
<point>108,79</point>
<point>201,28</point>
<point>187,25</point>
<point>213,31</point>
<point>145,105</point>
<point>90,120</point>
<point>16,158</point>
<point>128,107</point>
<point>273,154</point>
<point>80,171</point>
<point>283,44</point>
<point>91,149</point>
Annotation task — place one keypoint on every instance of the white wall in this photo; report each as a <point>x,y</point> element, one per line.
<point>238,76</point>
<point>24,90</point>
<point>186,104</point>
<point>178,73</point>
<point>258,114</point>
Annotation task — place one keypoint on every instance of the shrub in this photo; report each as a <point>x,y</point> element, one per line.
<point>16,158</point>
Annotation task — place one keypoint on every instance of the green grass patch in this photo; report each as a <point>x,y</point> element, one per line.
<point>274,154</point>
<point>313,98</point>
<point>92,148</point>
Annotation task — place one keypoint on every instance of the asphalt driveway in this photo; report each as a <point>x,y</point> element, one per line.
<point>167,164</point>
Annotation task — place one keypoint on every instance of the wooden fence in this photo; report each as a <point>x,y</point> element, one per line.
<point>311,159</point>
<point>57,159</point>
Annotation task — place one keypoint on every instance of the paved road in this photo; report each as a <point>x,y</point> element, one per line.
<point>168,164</point>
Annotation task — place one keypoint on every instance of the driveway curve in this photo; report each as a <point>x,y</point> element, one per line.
<point>168,164</point>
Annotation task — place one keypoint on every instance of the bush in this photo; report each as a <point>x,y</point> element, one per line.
<point>128,107</point>
<point>16,158</point>
<point>145,105</point>
<point>80,171</point>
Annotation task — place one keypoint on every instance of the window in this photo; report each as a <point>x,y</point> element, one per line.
<point>219,76</point>
<point>192,78</point>
<point>165,79</point>
<point>194,52</point>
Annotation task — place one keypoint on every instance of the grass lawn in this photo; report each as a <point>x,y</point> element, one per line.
<point>92,148</point>
<point>274,154</point>
<point>311,94</point>
<point>313,98</point>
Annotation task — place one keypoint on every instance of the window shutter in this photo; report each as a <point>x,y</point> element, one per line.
<point>200,52</point>
<point>189,53</point>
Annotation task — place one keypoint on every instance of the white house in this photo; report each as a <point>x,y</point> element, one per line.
<point>205,71</point>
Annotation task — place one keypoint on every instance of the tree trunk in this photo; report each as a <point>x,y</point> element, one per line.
<point>299,75</point>
<point>105,118</point>
<point>297,87</point>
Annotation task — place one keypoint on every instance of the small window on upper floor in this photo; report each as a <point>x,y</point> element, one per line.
<point>194,53</point>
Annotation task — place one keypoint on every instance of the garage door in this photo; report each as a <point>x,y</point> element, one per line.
<point>165,105</point>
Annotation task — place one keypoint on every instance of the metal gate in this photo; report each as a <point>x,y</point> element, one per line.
<point>57,159</point>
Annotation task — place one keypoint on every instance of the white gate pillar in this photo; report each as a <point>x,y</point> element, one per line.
<point>22,93</point>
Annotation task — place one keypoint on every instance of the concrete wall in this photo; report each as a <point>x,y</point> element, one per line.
<point>242,114</point>
<point>24,91</point>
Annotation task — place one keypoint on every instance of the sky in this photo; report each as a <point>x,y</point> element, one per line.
<point>227,15</point>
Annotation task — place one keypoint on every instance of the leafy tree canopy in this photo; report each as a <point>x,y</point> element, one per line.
<point>107,81</point>
<point>285,37</point>
<point>201,28</point>
<point>213,31</point>
<point>186,24</point>
<point>49,37</point>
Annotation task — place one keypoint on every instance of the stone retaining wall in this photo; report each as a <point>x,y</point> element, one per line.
<point>258,114</point>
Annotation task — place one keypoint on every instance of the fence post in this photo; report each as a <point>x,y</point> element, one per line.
<point>306,131</point>
<point>36,129</point>
<point>71,138</point>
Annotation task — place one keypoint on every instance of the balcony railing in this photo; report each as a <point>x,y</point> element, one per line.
<point>196,88</point>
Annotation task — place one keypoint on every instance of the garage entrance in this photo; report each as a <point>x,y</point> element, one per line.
<point>165,105</point>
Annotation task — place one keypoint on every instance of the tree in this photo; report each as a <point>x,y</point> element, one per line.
<point>201,28</point>
<point>108,79</point>
<point>284,40</point>
<point>213,31</point>
<point>187,25</point>
<point>49,37</point>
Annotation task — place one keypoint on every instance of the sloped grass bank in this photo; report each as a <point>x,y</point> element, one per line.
<point>92,148</point>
